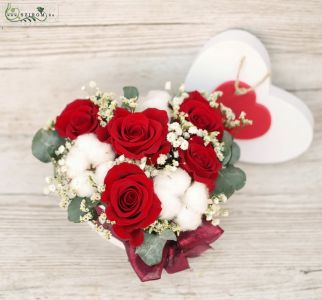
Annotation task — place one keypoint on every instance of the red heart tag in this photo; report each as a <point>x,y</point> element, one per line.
<point>256,112</point>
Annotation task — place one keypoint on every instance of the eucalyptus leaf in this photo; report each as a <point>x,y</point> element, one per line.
<point>152,248</point>
<point>230,179</point>
<point>130,92</point>
<point>228,141</point>
<point>45,143</point>
<point>74,211</point>
<point>235,154</point>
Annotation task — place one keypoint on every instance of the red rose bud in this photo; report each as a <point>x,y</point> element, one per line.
<point>130,202</point>
<point>201,114</point>
<point>201,162</point>
<point>77,118</point>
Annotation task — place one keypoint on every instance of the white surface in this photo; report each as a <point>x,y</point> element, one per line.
<point>291,130</point>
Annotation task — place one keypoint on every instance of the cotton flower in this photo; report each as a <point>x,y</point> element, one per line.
<point>174,183</point>
<point>188,219</point>
<point>101,172</point>
<point>87,153</point>
<point>171,205</point>
<point>76,162</point>
<point>96,151</point>
<point>82,185</point>
<point>196,197</point>
<point>155,99</point>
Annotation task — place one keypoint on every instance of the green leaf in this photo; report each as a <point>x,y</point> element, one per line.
<point>230,180</point>
<point>74,211</point>
<point>228,141</point>
<point>130,92</point>
<point>235,154</point>
<point>45,143</point>
<point>151,249</point>
<point>40,9</point>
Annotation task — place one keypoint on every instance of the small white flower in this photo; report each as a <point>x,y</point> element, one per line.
<point>171,137</point>
<point>186,135</point>
<point>68,145</point>
<point>193,130</point>
<point>61,162</point>
<point>61,149</point>
<point>184,145</point>
<point>162,159</point>
<point>121,158</point>
<point>175,163</point>
<point>176,143</point>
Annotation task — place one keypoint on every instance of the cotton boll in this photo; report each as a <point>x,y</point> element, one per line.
<point>102,152</point>
<point>81,185</point>
<point>188,219</point>
<point>155,99</point>
<point>85,142</point>
<point>171,205</point>
<point>101,172</point>
<point>175,183</point>
<point>75,162</point>
<point>96,151</point>
<point>196,197</point>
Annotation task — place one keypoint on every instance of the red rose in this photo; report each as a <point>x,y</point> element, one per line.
<point>201,114</point>
<point>201,162</point>
<point>139,134</point>
<point>77,118</point>
<point>102,133</point>
<point>130,202</point>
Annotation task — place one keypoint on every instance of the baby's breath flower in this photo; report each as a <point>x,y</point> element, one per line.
<point>171,137</point>
<point>85,218</point>
<point>162,159</point>
<point>83,207</point>
<point>105,233</point>
<point>102,218</point>
<point>184,145</point>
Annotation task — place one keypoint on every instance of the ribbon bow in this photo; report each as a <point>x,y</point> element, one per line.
<point>175,254</point>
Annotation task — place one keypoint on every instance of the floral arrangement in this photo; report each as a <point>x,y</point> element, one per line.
<point>151,173</point>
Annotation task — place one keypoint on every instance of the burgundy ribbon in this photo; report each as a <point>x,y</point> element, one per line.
<point>175,254</point>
